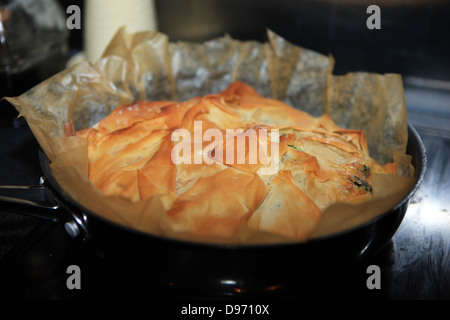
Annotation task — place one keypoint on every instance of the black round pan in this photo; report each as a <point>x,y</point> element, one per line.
<point>232,270</point>
<point>238,269</point>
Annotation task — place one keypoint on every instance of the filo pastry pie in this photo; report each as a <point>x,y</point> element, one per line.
<point>267,166</point>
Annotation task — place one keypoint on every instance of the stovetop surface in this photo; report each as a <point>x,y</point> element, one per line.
<point>35,255</point>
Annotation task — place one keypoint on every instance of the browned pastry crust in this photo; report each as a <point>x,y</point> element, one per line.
<point>130,155</point>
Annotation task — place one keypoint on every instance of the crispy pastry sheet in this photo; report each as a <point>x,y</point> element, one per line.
<point>148,66</point>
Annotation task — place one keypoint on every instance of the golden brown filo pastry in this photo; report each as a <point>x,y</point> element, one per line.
<point>317,163</point>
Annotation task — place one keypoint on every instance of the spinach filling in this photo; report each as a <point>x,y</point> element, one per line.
<point>365,171</point>
<point>361,183</point>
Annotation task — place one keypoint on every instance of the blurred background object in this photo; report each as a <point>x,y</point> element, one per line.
<point>104,17</point>
<point>33,43</point>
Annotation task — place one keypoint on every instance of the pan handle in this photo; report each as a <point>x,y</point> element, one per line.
<point>38,201</point>
<point>34,200</point>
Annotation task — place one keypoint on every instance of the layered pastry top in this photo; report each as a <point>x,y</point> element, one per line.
<point>229,159</point>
